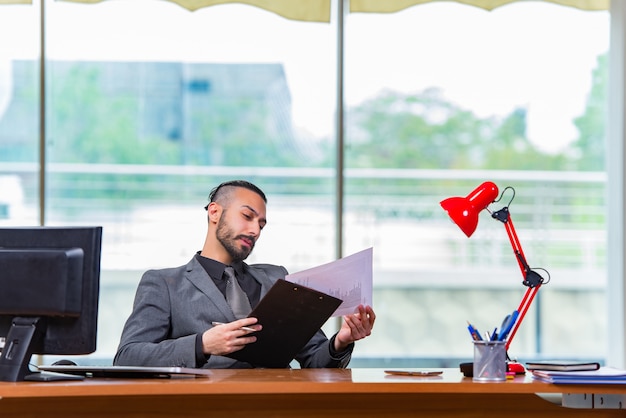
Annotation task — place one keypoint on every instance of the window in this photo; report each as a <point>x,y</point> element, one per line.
<point>441,98</point>
<point>144,120</point>
<point>19,122</point>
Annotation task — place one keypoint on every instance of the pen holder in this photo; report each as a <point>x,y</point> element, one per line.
<point>489,361</point>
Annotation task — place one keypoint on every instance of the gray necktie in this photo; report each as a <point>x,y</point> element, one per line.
<point>235,296</point>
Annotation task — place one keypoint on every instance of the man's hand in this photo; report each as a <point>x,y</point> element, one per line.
<point>227,338</point>
<point>355,327</point>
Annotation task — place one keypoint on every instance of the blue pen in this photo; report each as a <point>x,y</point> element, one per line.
<point>474,332</point>
<point>507,324</point>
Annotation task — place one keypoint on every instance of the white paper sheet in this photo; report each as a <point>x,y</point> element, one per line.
<point>349,279</point>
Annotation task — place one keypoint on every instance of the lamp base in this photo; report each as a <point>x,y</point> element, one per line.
<point>515,367</point>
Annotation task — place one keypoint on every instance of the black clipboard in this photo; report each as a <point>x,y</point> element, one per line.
<point>290,314</point>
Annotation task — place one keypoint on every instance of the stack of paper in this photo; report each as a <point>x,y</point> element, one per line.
<point>604,375</point>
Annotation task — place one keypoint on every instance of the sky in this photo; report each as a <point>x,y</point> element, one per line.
<point>533,55</point>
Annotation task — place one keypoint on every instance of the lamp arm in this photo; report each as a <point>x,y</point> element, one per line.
<point>527,300</point>
<point>531,278</point>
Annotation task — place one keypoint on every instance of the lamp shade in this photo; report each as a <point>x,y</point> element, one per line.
<point>464,210</point>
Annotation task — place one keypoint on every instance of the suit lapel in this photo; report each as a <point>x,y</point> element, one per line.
<point>198,276</point>
<point>261,277</point>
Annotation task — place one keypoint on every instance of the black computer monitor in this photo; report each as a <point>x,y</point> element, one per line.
<point>49,287</point>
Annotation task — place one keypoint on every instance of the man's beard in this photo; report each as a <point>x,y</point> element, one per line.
<point>224,236</point>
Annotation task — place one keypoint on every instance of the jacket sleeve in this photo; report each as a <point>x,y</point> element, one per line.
<point>318,353</point>
<point>146,339</point>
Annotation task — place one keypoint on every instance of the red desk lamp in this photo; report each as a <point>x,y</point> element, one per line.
<point>464,212</point>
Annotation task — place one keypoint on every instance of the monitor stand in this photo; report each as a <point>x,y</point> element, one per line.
<point>17,349</point>
<point>17,352</point>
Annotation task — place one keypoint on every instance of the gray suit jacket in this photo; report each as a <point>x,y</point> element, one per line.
<point>172,306</point>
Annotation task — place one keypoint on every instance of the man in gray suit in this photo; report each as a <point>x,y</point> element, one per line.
<point>174,310</point>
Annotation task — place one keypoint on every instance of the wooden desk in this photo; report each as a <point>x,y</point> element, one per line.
<point>295,393</point>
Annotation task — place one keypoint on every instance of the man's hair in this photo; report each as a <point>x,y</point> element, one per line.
<point>223,190</point>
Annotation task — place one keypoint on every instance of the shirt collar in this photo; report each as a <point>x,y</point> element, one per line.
<point>216,269</point>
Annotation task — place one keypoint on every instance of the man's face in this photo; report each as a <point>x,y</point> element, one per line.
<point>240,224</point>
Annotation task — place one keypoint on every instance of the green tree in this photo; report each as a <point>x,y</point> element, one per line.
<point>509,148</point>
<point>588,151</point>
<point>415,131</point>
<point>427,131</point>
<point>237,132</point>
<point>87,125</point>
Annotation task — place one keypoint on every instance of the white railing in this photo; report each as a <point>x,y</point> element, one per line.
<point>153,217</point>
